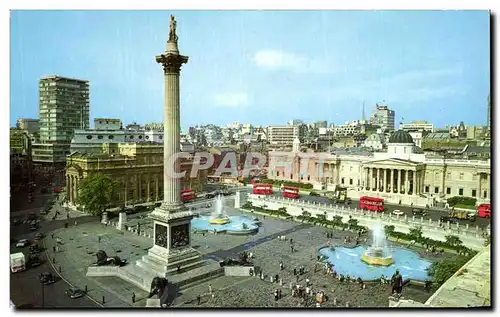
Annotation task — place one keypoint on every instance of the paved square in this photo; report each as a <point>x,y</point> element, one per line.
<point>81,242</point>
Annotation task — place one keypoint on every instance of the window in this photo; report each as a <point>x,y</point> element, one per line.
<point>404,149</point>
<point>474,176</point>
<point>448,191</point>
<point>111,137</point>
<point>358,182</point>
<point>461,176</point>
<point>436,190</point>
<point>291,176</point>
<point>301,177</point>
<point>308,177</point>
<point>342,180</point>
<point>350,181</point>
<point>100,137</point>
<point>89,137</point>
<point>350,168</point>
<point>426,189</point>
<point>448,175</point>
<point>161,137</point>
<point>460,191</point>
<point>474,193</point>
<point>485,194</point>
<point>140,137</point>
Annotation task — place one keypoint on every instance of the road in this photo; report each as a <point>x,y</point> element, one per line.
<point>26,290</point>
<point>407,210</point>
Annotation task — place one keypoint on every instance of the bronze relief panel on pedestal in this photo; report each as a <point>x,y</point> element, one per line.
<point>161,236</point>
<point>180,236</point>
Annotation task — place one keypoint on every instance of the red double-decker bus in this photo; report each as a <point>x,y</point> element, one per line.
<point>290,192</point>
<point>484,210</point>
<point>187,195</point>
<point>263,189</point>
<point>371,203</point>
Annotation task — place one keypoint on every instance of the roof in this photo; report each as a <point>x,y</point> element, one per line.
<point>400,136</point>
<point>438,135</point>
<point>477,149</point>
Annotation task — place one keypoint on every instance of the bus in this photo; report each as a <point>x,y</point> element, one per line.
<point>263,189</point>
<point>371,203</point>
<point>290,192</point>
<point>187,195</point>
<point>484,210</point>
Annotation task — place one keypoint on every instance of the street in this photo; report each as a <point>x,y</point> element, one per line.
<point>407,210</point>
<point>26,289</point>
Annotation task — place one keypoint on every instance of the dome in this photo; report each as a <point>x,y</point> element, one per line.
<point>400,137</point>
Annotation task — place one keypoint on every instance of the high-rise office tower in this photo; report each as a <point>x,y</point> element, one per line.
<point>384,117</point>
<point>64,107</point>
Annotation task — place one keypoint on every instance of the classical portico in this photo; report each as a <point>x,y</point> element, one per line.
<point>393,176</point>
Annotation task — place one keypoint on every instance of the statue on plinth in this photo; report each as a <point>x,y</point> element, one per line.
<point>172,37</point>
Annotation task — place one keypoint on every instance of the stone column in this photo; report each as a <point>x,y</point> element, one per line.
<point>370,175</point>
<point>479,186</point>
<point>156,189</point>
<point>417,182</point>
<point>407,181</point>
<point>125,197</point>
<point>391,172</point>
<point>379,179</point>
<point>171,61</point>
<point>148,190</point>
<point>399,181</point>
<point>139,188</point>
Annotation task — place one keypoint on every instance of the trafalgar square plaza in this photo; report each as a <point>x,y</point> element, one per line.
<point>242,248</point>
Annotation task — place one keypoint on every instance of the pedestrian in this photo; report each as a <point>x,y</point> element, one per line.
<point>291,285</point>
<point>76,223</point>
<point>276,294</point>
<point>198,298</point>
<point>291,240</point>
<point>279,294</point>
<point>291,248</point>
<point>281,266</point>
<point>103,300</point>
<point>277,278</point>
<point>210,288</point>
<point>98,239</point>
<point>54,249</point>
<point>298,278</point>
<point>294,271</point>
<point>52,236</point>
<point>133,297</point>
<point>307,282</point>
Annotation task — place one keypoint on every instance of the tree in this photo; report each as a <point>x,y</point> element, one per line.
<point>453,241</point>
<point>352,222</point>
<point>97,192</point>
<point>389,230</point>
<point>337,221</point>
<point>415,233</point>
<point>442,270</point>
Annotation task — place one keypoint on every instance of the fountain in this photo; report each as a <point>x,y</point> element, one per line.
<point>218,216</point>
<point>372,262</point>
<point>220,221</point>
<point>378,253</point>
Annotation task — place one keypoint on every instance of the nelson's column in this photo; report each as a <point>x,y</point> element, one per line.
<point>172,222</point>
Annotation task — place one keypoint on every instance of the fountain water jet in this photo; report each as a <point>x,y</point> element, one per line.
<point>378,253</point>
<point>218,216</point>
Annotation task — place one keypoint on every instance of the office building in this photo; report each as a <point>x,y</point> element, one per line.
<point>383,117</point>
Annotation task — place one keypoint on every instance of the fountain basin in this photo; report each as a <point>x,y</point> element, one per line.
<point>219,221</point>
<point>374,260</point>
<point>237,225</point>
<point>348,261</point>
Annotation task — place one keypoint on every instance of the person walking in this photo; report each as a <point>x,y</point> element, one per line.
<point>210,288</point>
<point>281,266</point>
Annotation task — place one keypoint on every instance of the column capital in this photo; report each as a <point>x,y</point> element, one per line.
<point>171,62</point>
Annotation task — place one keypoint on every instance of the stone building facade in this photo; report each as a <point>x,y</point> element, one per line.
<point>136,167</point>
<point>400,174</point>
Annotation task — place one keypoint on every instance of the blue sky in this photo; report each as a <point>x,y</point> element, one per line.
<point>261,67</point>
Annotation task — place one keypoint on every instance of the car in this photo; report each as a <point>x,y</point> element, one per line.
<point>46,278</point>
<point>74,293</point>
<point>419,212</point>
<point>22,243</point>
<point>397,212</point>
<point>38,235</point>
<point>445,219</point>
<point>34,261</point>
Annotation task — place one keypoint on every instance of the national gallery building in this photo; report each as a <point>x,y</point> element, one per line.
<point>400,174</point>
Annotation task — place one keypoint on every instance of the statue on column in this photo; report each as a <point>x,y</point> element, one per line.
<point>172,37</point>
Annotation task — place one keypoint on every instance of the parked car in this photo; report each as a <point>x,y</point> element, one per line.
<point>46,278</point>
<point>74,292</point>
<point>22,243</point>
<point>398,212</point>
